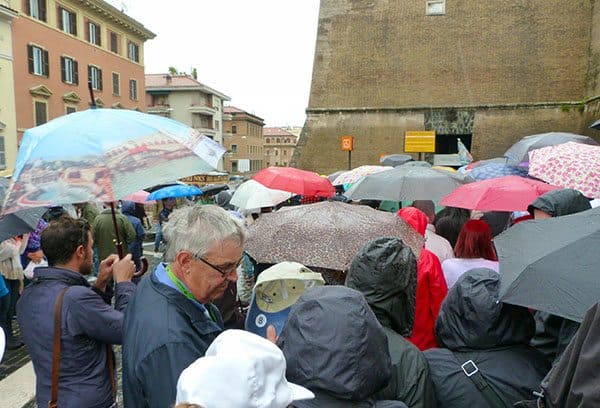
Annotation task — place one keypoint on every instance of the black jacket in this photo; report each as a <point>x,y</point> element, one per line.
<point>493,335</point>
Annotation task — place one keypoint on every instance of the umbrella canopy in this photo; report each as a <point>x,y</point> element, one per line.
<point>596,125</point>
<point>510,193</point>
<point>103,155</point>
<point>251,194</point>
<point>569,165</point>
<point>20,222</point>
<point>517,153</point>
<point>326,235</point>
<point>494,170</point>
<point>407,183</point>
<point>352,176</point>
<point>174,192</point>
<point>335,175</point>
<point>214,188</point>
<point>552,264</point>
<point>139,197</point>
<point>395,159</point>
<point>295,181</point>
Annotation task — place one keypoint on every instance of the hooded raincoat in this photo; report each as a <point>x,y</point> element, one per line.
<point>385,272</point>
<point>474,326</point>
<point>431,285</point>
<point>553,333</point>
<point>334,346</point>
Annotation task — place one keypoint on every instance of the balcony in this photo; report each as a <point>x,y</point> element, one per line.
<point>159,109</point>
<point>202,109</point>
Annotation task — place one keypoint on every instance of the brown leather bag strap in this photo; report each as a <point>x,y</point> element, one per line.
<point>56,354</point>
<point>111,369</point>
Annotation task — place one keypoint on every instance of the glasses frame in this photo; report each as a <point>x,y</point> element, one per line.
<point>221,271</point>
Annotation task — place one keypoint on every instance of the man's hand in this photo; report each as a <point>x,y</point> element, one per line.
<point>123,269</point>
<point>105,272</point>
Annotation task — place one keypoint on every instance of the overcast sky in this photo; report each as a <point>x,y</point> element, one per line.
<point>259,53</point>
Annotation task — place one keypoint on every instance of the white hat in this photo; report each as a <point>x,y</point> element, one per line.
<point>241,370</point>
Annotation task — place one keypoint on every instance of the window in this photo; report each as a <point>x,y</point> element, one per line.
<point>234,166</point>
<point>217,125</point>
<point>114,42</point>
<point>285,152</point>
<point>69,70</point>
<point>133,90</point>
<point>116,86</point>
<point>276,152</point>
<point>234,129</point>
<point>38,60</point>
<point>67,21</point>
<point>92,34</point>
<point>268,140</point>
<point>70,109</point>
<point>95,77</point>
<point>436,7</point>
<point>133,51</point>
<point>36,9</point>
<point>278,140</point>
<point>41,114</point>
<point>233,148</point>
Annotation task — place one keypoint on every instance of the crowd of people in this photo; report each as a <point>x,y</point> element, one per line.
<point>403,330</point>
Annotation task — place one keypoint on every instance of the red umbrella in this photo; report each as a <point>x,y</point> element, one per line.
<point>510,193</point>
<point>295,181</point>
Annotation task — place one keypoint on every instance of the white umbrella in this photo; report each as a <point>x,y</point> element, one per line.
<point>252,194</point>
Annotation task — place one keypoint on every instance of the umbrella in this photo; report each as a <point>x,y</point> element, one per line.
<point>510,193</point>
<point>214,188</point>
<point>139,197</point>
<point>352,176</point>
<point>552,264</point>
<point>252,194</point>
<point>103,155</point>
<point>517,153</point>
<point>326,235</point>
<point>335,175</point>
<point>395,159</point>
<point>407,183</point>
<point>494,170</point>
<point>569,165</point>
<point>20,222</point>
<point>295,181</point>
<point>596,125</point>
<point>174,192</point>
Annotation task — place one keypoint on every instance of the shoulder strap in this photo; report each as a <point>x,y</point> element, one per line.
<point>472,372</point>
<point>56,353</point>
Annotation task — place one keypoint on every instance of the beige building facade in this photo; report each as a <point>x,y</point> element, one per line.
<point>279,147</point>
<point>8,113</point>
<point>243,139</point>
<point>182,98</point>
<point>60,45</point>
<point>486,72</point>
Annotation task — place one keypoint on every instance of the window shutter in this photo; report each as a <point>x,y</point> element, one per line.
<point>86,23</point>
<point>42,9</point>
<point>90,74</point>
<point>26,7</point>
<point>63,74</point>
<point>30,58</point>
<point>98,36</point>
<point>99,79</point>
<point>46,67</point>
<point>60,18</point>
<point>73,21</point>
<point>75,72</point>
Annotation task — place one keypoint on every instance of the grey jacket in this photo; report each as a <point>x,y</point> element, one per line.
<point>88,324</point>
<point>164,332</point>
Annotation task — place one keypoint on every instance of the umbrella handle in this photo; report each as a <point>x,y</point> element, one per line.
<point>119,244</point>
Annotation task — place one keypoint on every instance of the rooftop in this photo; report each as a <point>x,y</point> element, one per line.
<point>276,131</point>
<point>179,81</point>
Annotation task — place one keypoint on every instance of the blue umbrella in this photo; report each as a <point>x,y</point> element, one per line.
<point>495,170</point>
<point>174,192</point>
<point>103,155</point>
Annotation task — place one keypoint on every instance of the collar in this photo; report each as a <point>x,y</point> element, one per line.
<point>68,276</point>
<point>163,277</point>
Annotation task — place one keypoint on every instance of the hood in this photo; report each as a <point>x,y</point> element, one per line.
<point>223,198</point>
<point>385,272</point>
<point>472,317</point>
<point>333,343</point>
<point>560,202</point>
<point>128,207</point>
<point>415,218</point>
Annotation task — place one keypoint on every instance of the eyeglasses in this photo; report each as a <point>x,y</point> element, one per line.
<point>223,271</point>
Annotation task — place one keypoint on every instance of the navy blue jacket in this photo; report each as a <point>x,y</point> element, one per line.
<point>135,246</point>
<point>164,332</point>
<point>88,324</point>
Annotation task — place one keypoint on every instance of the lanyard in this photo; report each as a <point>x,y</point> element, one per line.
<point>186,292</point>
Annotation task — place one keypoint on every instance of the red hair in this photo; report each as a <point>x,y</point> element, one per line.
<point>475,241</point>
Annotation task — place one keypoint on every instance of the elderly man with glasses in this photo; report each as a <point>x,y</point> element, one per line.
<point>171,321</point>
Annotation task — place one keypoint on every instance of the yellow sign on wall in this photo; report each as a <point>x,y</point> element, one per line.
<point>422,141</point>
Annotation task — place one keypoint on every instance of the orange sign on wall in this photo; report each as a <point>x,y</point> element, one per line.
<point>347,143</point>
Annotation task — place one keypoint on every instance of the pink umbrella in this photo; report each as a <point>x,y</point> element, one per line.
<point>295,181</point>
<point>509,193</point>
<point>138,197</point>
<point>568,165</point>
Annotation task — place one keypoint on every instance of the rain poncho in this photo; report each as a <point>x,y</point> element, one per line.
<point>385,272</point>
<point>334,346</point>
<point>431,285</point>
<point>493,335</point>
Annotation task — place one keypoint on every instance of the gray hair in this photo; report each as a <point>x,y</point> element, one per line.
<point>197,228</point>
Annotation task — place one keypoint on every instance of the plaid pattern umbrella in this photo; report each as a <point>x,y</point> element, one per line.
<point>326,235</point>
<point>352,176</point>
<point>569,165</point>
<point>495,170</point>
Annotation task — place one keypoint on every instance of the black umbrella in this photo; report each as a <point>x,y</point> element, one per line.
<point>596,125</point>
<point>552,265</point>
